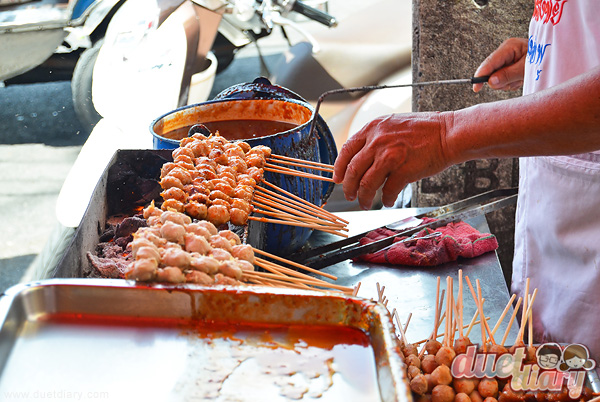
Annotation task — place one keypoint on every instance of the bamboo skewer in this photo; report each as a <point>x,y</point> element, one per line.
<point>271,163</point>
<point>400,329</point>
<point>269,211</point>
<point>510,323</point>
<point>263,200</point>
<point>510,302</point>
<point>287,158</point>
<point>472,323</point>
<point>283,270</point>
<point>407,322</point>
<point>294,223</point>
<point>438,309</point>
<point>519,339</point>
<point>460,302</point>
<point>294,264</point>
<point>303,201</point>
<point>314,282</point>
<point>299,221</point>
<point>480,308</point>
<point>298,173</point>
<point>441,334</point>
<point>487,327</point>
<point>293,205</point>
<point>530,324</point>
<point>356,289</point>
<point>523,322</point>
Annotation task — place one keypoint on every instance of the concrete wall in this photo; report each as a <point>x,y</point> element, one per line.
<point>450,39</point>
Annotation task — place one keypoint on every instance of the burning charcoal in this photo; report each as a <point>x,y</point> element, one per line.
<point>108,234</point>
<point>109,250</point>
<point>123,241</point>
<point>108,267</point>
<point>128,226</point>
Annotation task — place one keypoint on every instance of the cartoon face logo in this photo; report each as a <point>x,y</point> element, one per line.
<point>549,355</point>
<point>576,357</point>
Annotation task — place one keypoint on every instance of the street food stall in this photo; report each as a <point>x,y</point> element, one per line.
<point>184,282</point>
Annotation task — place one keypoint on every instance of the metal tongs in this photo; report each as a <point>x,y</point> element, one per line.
<point>345,249</point>
<point>472,80</point>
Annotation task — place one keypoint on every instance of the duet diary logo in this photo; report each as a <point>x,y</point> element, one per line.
<point>554,367</point>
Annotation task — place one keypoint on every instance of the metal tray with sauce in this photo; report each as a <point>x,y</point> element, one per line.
<point>115,340</point>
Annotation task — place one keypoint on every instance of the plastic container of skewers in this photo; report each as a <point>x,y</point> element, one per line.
<point>449,367</point>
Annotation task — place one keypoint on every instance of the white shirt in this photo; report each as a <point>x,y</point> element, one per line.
<point>557,234</point>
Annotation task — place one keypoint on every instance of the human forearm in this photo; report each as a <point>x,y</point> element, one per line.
<point>562,120</point>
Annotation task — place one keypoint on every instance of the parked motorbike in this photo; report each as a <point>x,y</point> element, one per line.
<point>61,40</point>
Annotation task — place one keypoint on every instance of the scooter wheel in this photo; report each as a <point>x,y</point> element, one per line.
<point>81,87</point>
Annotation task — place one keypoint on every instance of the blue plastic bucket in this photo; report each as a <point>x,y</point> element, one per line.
<point>296,142</point>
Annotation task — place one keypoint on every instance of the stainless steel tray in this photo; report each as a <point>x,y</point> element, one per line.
<point>115,340</point>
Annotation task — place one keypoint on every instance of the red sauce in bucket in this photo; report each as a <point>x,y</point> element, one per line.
<point>237,129</point>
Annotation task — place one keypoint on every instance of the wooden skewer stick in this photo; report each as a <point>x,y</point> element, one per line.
<point>448,312</point>
<point>278,207</point>
<point>272,267</point>
<point>315,282</point>
<point>272,163</point>
<point>452,319</point>
<point>399,324</point>
<point>472,323</point>
<point>530,324</point>
<point>356,289</point>
<point>294,264</point>
<point>284,284</point>
<point>436,318</point>
<point>480,308</point>
<point>277,276</point>
<point>487,327</point>
<point>460,303</point>
<point>298,173</point>
<point>298,281</point>
<point>289,198</point>
<point>294,218</point>
<point>294,223</point>
<point>524,322</point>
<point>441,334</point>
<point>262,196</point>
<point>287,158</point>
<point>519,339</point>
<point>303,201</point>
<point>407,322</point>
<point>510,302</point>
<point>438,309</point>
<point>510,323</point>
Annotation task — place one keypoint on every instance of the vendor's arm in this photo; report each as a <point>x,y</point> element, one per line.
<point>395,150</point>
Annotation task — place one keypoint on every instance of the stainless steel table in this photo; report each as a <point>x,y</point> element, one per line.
<point>412,289</point>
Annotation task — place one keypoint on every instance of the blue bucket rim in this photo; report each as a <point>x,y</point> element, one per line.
<point>179,109</point>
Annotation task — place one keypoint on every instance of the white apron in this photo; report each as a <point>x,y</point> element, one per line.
<point>557,233</point>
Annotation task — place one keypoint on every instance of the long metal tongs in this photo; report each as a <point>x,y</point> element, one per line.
<point>459,81</point>
<point>345,249</point>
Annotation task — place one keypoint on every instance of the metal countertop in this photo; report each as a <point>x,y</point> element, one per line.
<point>412,289</point>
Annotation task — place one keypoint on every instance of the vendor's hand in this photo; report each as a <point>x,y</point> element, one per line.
<point>396,150</point>
<point>505,66</point>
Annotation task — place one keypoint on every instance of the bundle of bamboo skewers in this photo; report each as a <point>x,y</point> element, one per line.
<point>221,181</point>
<point>429,361</point>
